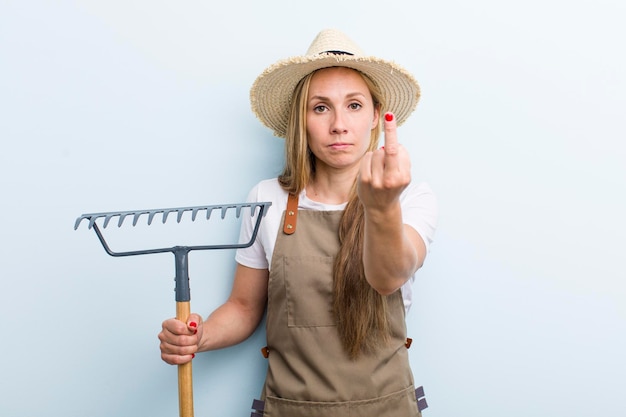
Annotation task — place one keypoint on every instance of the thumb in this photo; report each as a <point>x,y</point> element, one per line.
<point>194,321</point>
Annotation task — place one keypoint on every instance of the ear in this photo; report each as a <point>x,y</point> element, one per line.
<point>376,119</point>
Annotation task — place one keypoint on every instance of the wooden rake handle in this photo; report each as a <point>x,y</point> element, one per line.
<point>185,379</point>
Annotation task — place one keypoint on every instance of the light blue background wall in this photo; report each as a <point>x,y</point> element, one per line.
<point>520,309</point>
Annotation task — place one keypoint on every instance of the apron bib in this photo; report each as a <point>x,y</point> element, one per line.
<point>309,373</point>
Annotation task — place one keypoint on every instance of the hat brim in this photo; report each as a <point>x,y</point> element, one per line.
<point>271,93</point>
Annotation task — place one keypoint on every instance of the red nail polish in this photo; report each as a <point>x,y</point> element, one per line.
<point>388,117</point>
<point>193,324</point>
<point>193,355</point>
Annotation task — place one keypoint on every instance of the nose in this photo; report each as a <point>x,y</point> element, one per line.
<point>338,125</point>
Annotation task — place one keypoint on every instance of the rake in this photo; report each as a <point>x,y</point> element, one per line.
<point>183,293</point>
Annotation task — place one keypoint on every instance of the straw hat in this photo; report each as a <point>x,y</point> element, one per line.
<point>271,93</point>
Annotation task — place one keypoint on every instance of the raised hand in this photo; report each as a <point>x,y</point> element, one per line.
<point>385,172</point>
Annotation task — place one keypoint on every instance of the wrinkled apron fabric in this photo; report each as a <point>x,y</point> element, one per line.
<point>309,373</point>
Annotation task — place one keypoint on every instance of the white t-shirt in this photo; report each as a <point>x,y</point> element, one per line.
<point>419,210</point>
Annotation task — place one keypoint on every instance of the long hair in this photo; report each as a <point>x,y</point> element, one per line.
<point>359,310</point>
<point>299,160</point>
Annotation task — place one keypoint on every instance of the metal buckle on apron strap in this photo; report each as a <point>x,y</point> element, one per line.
<point>257,408</point>
<point>291,215</point>
<point>421,400</point>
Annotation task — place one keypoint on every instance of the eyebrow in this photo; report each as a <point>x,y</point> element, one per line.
<point>349,96</point>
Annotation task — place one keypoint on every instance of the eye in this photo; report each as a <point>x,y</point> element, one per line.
<point>320,108</point>
<point>355,106</point>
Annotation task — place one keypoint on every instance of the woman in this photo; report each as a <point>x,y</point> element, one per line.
<point>336,254</point>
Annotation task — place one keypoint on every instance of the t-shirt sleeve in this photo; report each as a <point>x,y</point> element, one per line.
<point>253,256</point>
<point>420,211</point>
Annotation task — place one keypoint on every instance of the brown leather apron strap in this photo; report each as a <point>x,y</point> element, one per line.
<point>291,214</point>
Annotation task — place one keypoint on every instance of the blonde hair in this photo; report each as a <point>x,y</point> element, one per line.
<point>360,311</point>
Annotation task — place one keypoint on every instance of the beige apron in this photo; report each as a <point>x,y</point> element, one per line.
<point>309,372</point>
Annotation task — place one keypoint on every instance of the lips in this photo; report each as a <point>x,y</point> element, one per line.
<point>339,146</point>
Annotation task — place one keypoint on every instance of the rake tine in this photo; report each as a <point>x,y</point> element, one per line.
<point>151,215</point>
<point>107,219</point>
<point>209,210</point>
<point>180,215</point>
<point>238,211</point>
<point>122,217</point>
<point>165,214</point>
<point>79,220</point>
<point>225,209</point>
<point>194,213</point>
<point>137,215</point>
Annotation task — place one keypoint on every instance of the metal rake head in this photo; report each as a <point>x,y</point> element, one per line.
<point>165,212</point>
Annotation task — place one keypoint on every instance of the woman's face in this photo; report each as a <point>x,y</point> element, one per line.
<point>340,116</point>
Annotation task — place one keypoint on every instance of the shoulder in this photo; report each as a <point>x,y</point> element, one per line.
<point>417,188</point>
<point>269,190</point>
<point>419,193</point>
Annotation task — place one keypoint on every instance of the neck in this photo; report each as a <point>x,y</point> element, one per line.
<point>330,189</point>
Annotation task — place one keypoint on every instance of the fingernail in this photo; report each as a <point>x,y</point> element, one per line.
<point>382,147</point>
<point>388,117</point>
<point>193,355</point>
<point>193,324</point>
